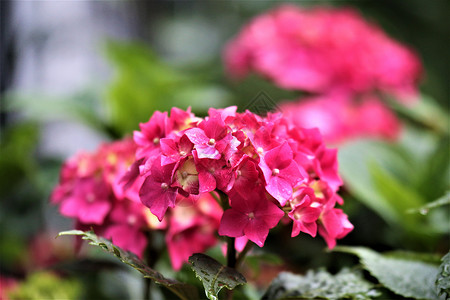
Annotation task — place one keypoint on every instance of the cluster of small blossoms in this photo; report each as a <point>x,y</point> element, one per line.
<point>323,50</point>
<point>91,191</point>
<point>267,168</point>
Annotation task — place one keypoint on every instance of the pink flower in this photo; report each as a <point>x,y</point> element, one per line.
<point>305,213</point>
<point>157,192</point>
<point>89,201</point>
<point>242,156</point>
<point>322,50</point>
<point>192,229</point>
<point>251,216</point>
<point>341,119</point>
<point>127,221</point>
<point>281,172</point>
<point>210,138</point>
<point>334,225</point>
<point>91,191</point>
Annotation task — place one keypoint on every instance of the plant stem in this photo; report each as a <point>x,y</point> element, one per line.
<point>231,253</point>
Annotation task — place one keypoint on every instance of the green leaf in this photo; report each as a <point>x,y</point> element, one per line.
<point>320,284</point>
<point>443,278</point>
<point>405,277</point>
<point>183,291</point>
<point>427,112</point>
<point>372,171</point>
<point>214,275</point>
<point>444,200</point>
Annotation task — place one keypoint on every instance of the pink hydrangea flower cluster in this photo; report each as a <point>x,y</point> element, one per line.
<point>340,119</point>
<point>268,168</point>
<point>323,50</point>
<point>91,190</point>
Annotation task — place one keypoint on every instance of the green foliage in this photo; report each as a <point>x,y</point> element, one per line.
<point>444,200</point>
<point>183,291</point>
<point>426,112</point>
<point>144,84</point>
<point>44,285</point>
<point>394,179</point>
<point>403,276</point>
<point>214,275</point>
<point>443,278</point>
<point>320,284</point>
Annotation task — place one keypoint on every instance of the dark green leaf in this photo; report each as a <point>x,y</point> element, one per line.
<point>443,278</point>
<point>214,275</point>
<point>405,277</point>
<point>320,284</point>
<point>183,291</point>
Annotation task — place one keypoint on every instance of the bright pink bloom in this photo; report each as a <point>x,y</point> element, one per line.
<point>91,191</point>
<point>89,201</point>
<point>323,50</point>
<point>251,216</point>
<point>157,191</point>
<point>127,221</point>
<point>192,229</point>
<point>243,156</point>
<point>334,225</point>
<point>281,172</point>
<point>305,212</point>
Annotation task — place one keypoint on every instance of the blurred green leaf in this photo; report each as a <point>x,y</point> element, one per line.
<point>443,277</point>
<point>143,84</point>
<point>346,284</point>
<point>214,275</point>
<point>444,200</point>
<point>426,112</point>
<point>404,276</point>
<point>82,106</point>
<point>183,291</point>
<point>393,179</point>
<point>45,285</point>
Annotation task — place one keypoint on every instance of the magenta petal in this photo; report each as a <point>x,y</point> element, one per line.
<point>127,238</point>
<point>280,189</point>
<point>207,182</point>
<point>309,228</point>
<point>270,213</point>
<point>310,214</point>
<point>279,157</point>
<point>257,232</point>
<point>232,223</point>
<point>156,198</point>
<point>207,151</point>
<point>197,136</point>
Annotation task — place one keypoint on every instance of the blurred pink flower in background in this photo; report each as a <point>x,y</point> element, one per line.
<point>323,50</point>
<point>340,119</point>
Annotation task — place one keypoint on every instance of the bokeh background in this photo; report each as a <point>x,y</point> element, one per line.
<point>76,73</point>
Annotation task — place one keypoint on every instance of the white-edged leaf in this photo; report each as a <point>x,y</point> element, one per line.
<point>182,290</point>
<point>405,277</point>
<point>347,284</point>
<point>214,275</point>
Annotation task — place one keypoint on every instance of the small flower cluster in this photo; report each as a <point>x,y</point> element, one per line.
<point>91,190</point>
<point>323,50</point>
<point>268,168</point>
